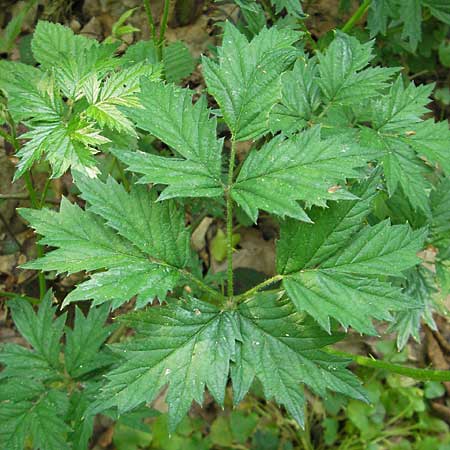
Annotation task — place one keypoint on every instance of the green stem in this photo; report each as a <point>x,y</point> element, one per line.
<point>39,249</point>
<point>229,200</point>
<point>44,193</point>
<point>151,22</point>
<point>356,16</point>
<point>163,27</point>
<point>216,296</point>
<point>251,292</point>
<point>416,374</point>
<point>32,300</point>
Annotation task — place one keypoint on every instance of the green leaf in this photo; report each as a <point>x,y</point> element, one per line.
<point>419,287</point>
<point>167,112</point>
<point>303,167</point>
<point>42,333</point>
<point>119,89</point>
<point>344,76</point>
<point>187,345</point>
<point>281,349</point>
<point>300,98</point>
<point>403,168</point>
<point>52,41</point>
<point>83,342</point>
<point>72,58</point>
<point>292,7</point>
<point>412,22</point>
<point>178,62</point>
<point>31,94</point>
<point>396,120</point>
<point>37,415</point>
<point>430,139</point>
<point>341,276</point>
<point>65,145</point>
<point>332,229</point>
<point>246,79</point>
<point>439,8</point>
<point>144,250</point>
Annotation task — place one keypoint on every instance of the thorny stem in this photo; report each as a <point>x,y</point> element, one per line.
<point>416,374</point>
<point>229,201</point>
<point>151,22</point>
<point>356,16</point>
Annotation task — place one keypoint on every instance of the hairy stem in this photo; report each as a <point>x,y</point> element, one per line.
<point>215,296</point>
<point>229,200</point>
<point>356,16</point>
<point>151,22</point>
<point>411,372</point>
<point>251,292</point>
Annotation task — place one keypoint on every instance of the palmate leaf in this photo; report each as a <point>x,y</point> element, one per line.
<point>168,113</point>
<point>144,248</point>
<point>333,270</point>
<point>303,167</point>
<point>191,345</point>
<point>246,79</point>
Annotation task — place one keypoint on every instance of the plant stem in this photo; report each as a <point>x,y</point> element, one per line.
<point>251,292</point>
<point>162,28</point>
<point>39,250</point>
<point>411,372</point>
<point>229,201</point>
<point>44,193</point>
<point>215,295</point>
<point>32,300</point>
<point>356,16</point>
<point>151,22</point>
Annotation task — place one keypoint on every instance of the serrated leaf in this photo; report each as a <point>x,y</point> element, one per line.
<point>402,168</point>
<point>64,145</point>
<point>432,140</point>
<point>300,98</point>
<point>292,7</point>
<point>282,349</point>
<point>246,79</point>
<point>83,342</point>
<point>439,8</point>
<point>347,283</point>
<point>31,94</point>
<point>187,345</point>
<point>412,22</point>
<point>419,286</point>
<point>332,229</point>
<point>72,58</point>
<point>344,75</point>
<point>40,329</point>
<point>119,89</point>
<point>178,62</point>
<point>401,107</point>
<point>303,167</point>
<point>36,416</point>
<point>167,112</point>
<point>135,248</point>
